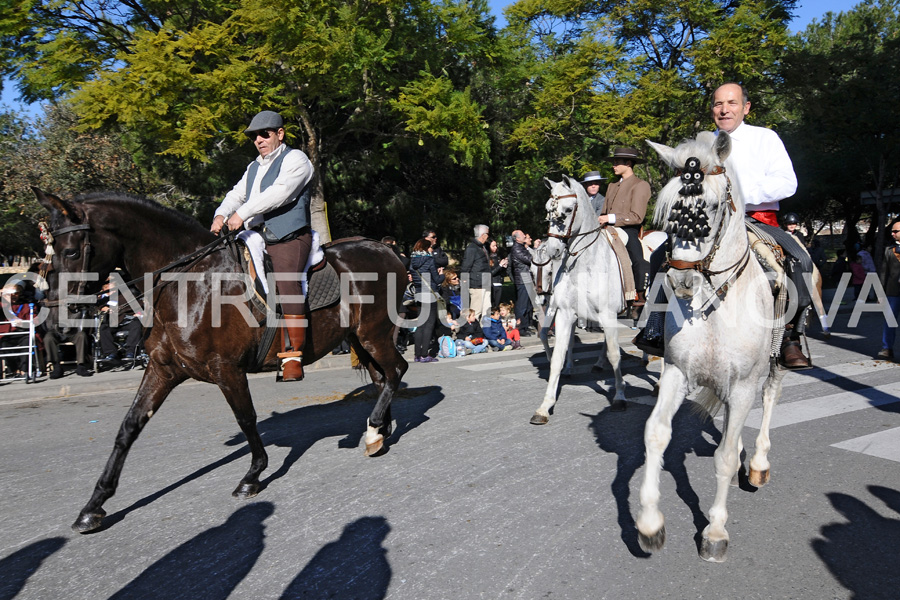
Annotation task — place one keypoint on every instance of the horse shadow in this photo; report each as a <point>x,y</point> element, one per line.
<point>862,553</point>
<point>209,565</point>
<point>353,566</point>
<point>22,564</point>
<point>625,438</point>
<point>301,428</point>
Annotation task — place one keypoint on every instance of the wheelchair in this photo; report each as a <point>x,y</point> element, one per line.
<point>139,356</point>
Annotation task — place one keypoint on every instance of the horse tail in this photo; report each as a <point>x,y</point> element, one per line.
<point>707,403</point>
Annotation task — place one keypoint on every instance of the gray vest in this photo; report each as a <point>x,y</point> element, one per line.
<point>289,218</point>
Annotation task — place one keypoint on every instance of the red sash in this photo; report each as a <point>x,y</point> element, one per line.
<point>769,217</point>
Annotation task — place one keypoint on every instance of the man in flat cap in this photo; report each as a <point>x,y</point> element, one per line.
<point>273,197</point>
<point>591,183</point>
<point>625,207</point>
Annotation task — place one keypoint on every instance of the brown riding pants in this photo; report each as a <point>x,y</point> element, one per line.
<point>290,257</point>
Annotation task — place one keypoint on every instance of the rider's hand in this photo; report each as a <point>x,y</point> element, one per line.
<point>217,223</point>
<point>603,219</point>
<point>235,222</point>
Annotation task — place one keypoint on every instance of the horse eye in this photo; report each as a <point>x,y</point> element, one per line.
<point>71,253</point>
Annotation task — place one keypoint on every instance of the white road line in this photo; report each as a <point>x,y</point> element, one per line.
<point>848,369</point>
<point>884,444</point>
<point>827,406</point>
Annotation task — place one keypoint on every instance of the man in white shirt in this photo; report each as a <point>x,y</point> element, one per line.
<point>765,176</point>
<point>273,196</point>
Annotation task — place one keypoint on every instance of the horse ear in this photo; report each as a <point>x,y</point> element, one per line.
<point>722,146</point>
<point>55,203</point>
<point>666,153</point>
<point>548,183</point>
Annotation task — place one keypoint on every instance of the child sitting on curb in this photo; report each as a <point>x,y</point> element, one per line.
<point>471,333</point>
<point>495,334</point>
<point>508,319</point>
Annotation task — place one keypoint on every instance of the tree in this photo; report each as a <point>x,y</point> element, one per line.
<point>360,83</point>
<point>840,78</point>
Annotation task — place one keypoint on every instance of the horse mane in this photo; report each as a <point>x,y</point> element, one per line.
<point>160,211</point>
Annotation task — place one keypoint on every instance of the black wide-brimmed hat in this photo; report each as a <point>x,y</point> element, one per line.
<point>591,176</point>
<point>628,153</point>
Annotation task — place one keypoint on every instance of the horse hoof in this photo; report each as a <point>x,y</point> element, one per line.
<point>618,406</point>
<point>713,551</point>
<point>652,543</point>
<point>88,521</point>
<point>759,478</point>
<point>376,448</point>
<point>539,419</point>
<point>246,490</point>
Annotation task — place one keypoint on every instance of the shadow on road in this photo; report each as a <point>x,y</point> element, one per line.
<point>354,566</point>
<point>623,435</point>
<point>209,565</point>
<point>862,553</point>
<point>20,565</point>
<point>301,428</point>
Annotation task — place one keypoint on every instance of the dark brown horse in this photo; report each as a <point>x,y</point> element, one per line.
<point>101,232</point>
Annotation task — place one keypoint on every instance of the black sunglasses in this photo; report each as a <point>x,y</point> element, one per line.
<point>266,133</point>
<point>895,230</point>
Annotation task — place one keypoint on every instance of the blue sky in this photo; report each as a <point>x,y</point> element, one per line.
<point>806,12</point>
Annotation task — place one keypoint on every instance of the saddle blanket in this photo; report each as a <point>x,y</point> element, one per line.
<point>321,286</point>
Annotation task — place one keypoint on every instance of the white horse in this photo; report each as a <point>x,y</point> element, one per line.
<point>586,285</point>
<point>718,333</point>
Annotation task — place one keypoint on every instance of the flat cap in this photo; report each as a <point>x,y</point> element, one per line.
<point>266,119</point>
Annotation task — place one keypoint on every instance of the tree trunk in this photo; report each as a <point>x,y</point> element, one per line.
<point>317,207</point>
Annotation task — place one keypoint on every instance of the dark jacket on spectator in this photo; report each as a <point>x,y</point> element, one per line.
<point>521,263</point>
<point>467,330</point>
<point>475,262</point>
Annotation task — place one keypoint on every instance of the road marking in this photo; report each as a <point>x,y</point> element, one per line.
<point>884,444</point>
<point>826,406</point>
<point>849,369</point>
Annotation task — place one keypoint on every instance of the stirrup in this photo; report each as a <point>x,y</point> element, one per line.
<point>656,347</point>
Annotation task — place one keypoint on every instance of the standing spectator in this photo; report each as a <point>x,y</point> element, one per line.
<point>865,257</point>
<point>441,259</point>
<point>521,271</point>
<point>858,276</point>
<point>476,265</point>
<point>591,183</point>
<point>817,254</point>
<point>498,268</point>
<point>426,281</point>
<point>840,264</point>
<point>890,281</point>
<point>391,242</point>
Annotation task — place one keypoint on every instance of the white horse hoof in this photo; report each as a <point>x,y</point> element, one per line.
<point>713,551</point>
<point>652,543</point>
<point>539,419</point>
<point>376,447</point>
<point>759,478</point>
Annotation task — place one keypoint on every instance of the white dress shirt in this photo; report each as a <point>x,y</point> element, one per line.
<point>296,172</point>
<point>762,167</point>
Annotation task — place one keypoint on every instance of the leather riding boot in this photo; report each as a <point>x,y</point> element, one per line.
<point>634,311</point>
<point>292,357</point>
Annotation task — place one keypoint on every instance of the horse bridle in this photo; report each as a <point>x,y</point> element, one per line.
<point>85,254</point>
<point>702,265</point>
<point>568,235</point>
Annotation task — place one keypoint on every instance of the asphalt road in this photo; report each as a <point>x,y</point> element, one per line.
<point>470,502</point>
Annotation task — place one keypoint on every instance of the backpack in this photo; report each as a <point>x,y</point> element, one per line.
<point>446,347</point>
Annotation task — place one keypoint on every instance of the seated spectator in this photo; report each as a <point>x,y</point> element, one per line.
<point>51,350</point>
<point>21,303</point>
<point>508,320</point>
<point>495,334</point>
<point>135,332</point>
<point>471,333</point>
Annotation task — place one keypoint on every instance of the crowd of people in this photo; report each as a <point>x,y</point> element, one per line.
<point>483,322</point>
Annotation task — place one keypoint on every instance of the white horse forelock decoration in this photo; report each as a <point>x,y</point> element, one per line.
<point>718,332</point>
<point>586,285</point>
